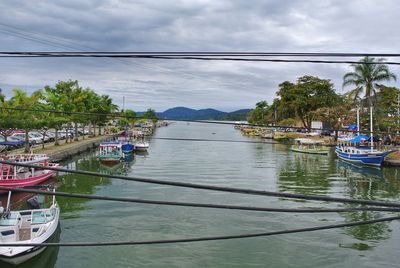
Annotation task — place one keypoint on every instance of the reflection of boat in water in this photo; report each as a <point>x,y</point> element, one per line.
<point>128,158</point>
<point>18,199</point>
<point>142,153</point>
<point>353,171</point>
<point>309,146</point>
<point>32,225</point>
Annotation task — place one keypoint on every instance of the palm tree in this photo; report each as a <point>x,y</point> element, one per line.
<point>366,76</point>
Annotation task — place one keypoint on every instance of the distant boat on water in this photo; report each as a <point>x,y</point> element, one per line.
<point>309,146</point>
<point>110,152</point>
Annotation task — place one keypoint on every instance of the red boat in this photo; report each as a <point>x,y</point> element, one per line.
<point>15,176</point>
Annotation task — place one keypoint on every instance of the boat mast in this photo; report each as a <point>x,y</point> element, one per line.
<point>358,121</point>
<point>371,128</point>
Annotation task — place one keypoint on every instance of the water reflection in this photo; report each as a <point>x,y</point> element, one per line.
<point>370,182</point>
<point>306,174</point>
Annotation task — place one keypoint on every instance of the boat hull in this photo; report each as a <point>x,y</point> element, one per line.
<point>127,148</point>
<point>21,254</point>
<point>372,159</point>
<point>16,183</point>
<point>320,152</point>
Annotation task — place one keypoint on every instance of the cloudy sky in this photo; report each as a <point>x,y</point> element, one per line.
<point>188,25</point>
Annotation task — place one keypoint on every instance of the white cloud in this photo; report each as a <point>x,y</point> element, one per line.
<point>119,25</point>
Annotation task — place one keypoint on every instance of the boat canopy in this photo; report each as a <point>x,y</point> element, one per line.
<point>308,141</point>
<point>358,139</point>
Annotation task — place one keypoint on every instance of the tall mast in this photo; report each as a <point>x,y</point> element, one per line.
<point>371,128</point>
<point>358,121</point>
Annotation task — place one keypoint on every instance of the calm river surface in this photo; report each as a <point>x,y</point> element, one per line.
<point>270,167</point>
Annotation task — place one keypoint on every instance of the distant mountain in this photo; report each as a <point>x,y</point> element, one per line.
<point>184,113</point>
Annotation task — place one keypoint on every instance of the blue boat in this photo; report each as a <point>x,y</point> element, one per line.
<point>360,150</point>
<point>127,147</point>
<point>359,155</point>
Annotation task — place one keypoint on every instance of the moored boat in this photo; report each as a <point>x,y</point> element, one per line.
<point>33,225</point>
<point>126,146</point>
<point>141,145</point>
<point>16,176</point>
<point>360,150</point>
<point>309,146</point>
<point>110,152</point>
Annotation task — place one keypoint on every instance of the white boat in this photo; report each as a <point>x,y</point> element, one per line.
<point>309,146</point>
<point>141,145</point>
<point>35,225</point>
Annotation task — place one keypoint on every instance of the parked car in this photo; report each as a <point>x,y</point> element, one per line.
<point>32,139</point>
<point>11,142</point>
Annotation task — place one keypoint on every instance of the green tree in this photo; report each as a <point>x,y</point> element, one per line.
<point>365,77</point>
<point>259,115</point>
<point>150,114</point>
<point>25,119</point>
<point>304,98</point>
<point>386,108</point>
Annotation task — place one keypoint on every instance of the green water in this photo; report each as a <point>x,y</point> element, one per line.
<point>270,167</point>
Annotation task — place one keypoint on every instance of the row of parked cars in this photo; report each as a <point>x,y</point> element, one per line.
<point>17,138</point>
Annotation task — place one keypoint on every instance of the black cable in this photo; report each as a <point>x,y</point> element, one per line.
<point>212,187</point>
<point>198,205</point>
<point>79,55</point>
<point>215,140</point>
<point>199,239</point>
<point>213,53</point>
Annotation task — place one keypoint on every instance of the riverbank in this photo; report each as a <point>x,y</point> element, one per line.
<point>66,150</point>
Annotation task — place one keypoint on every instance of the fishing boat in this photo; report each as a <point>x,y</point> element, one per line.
<point>16,176</point>
<point>360,150</point>
<point>33,225</point>
<point>110,152</point>
<point>309,146</point>
<point>141,145</point>
<point>127,147</point>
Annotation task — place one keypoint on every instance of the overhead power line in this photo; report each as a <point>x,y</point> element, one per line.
<point>199,205</point>
<point>180,57</point>
<point>213,187</point>
<point>200,239</point>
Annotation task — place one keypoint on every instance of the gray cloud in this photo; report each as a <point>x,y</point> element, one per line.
<point>119,25</point>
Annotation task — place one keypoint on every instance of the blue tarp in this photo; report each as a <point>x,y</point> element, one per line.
<point>353,127</point>
<point>359,138</point>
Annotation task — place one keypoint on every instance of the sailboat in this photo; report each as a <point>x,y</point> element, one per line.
<point>360,150</point>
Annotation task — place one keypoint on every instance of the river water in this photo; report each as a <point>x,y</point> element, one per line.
<point>271,167</point>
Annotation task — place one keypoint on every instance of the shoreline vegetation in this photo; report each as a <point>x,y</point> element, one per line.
<point>81,112</point>
<point>311,98</point>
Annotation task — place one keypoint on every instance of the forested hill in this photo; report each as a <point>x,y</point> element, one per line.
<point>203,114</point>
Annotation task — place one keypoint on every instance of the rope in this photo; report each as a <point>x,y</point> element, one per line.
<point>199,239</point>
<point>198,205</point>
<point>212,187</point>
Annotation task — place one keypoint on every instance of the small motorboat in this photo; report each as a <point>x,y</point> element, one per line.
<point>33,225</point>
<point>141,146</point>
<point>309,146</point>
<point>16,176</point>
